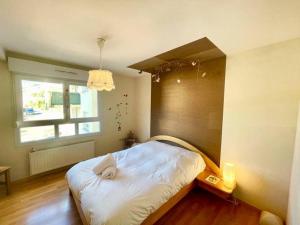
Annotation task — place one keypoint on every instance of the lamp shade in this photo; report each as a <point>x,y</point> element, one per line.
<point>229,177</point>
<point>100,80</point>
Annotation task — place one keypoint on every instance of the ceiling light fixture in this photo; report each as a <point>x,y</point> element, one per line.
<point>155,77</point>
<point>100,79</point>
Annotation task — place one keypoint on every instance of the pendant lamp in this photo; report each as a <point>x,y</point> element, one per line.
<point>100,80</point>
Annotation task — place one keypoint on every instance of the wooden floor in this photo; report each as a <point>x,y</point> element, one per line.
<point>46,201</point>
<point>202,208</point>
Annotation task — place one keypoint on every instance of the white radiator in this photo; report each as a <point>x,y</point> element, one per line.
<point>53,158</point>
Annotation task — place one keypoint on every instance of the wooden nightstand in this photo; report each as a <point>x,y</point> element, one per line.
<point>218,189</point>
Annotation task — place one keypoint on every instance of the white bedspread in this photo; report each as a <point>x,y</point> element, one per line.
<point>148,175</point>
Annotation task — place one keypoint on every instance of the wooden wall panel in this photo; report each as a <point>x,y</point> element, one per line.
<point>193,109</point>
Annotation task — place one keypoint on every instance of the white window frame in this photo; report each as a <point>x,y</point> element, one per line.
<point>56,122</point>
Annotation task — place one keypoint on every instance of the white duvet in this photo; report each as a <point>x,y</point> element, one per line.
<point>148,175</point>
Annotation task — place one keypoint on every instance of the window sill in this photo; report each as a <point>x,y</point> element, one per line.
<point>58,140</point>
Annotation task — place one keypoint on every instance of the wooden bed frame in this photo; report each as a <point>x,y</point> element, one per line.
<point>154,217</point>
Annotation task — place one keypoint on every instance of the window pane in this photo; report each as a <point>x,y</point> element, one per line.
<point>83,102</point>
<point>90,127</point>
<point>36,133</point>
<point>42,100</point>
<point>66,130</point>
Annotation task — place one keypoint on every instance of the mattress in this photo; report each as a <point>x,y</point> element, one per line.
<point>148,175</point>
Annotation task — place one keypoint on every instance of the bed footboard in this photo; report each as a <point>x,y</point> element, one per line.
<point>154,217</point>
<point>78,206</point>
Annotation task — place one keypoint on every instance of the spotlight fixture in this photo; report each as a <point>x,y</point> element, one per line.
<point>177,65</point>
<point>157,80</point>
<point>155,77</point>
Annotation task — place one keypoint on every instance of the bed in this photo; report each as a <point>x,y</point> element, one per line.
<point>152,177</point>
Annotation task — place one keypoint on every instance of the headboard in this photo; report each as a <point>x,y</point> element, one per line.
<point>191,109</point>
<point>210,165</point>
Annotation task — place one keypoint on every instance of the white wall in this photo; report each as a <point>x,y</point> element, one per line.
<point>262,92</point>
<point>109,139</point>
<point>293,216</point>
<point>143,107</point>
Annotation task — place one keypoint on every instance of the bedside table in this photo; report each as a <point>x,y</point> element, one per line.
<point>218,189</point>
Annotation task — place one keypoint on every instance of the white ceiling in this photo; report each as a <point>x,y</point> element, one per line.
<point>66,30</point>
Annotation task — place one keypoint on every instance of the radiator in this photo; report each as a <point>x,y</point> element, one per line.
<point>53,158</point>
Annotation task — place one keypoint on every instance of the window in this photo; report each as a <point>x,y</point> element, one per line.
<point>66,130</point>
<point>51,109</point>
<point>37,99</point>
<point>89,127</point>
<point>82,102</point>
<point>36,133</point>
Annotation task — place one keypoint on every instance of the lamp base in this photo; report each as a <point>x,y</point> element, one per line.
<point>267,218</point>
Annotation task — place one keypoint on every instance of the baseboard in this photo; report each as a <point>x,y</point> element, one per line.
<point>33,177</point>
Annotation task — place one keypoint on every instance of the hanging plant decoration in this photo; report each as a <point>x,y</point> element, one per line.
<point>126,104</point>
<point>118,117</point>
<point>120,107</point>
<point>119,126</point>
